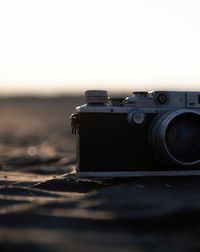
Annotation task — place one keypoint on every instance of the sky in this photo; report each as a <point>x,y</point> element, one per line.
<point>58,46</point>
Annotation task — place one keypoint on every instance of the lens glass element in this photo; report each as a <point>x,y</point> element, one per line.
<point>183,137</point>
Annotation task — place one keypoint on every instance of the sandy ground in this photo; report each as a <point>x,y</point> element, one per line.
<point>44,208</point>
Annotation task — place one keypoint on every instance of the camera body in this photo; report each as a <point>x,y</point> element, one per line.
<point>147,134</point>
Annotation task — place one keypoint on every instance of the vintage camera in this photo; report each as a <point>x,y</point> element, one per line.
<point>147,134</point>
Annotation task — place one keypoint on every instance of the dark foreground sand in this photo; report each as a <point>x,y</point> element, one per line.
<point>43,208</point>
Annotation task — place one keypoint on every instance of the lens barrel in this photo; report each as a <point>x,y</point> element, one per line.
<point>175,137</point>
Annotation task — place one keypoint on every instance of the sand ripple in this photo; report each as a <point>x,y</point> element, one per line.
<point>44,207</point>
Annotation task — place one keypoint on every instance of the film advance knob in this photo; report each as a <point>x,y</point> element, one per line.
<point>96,96</point>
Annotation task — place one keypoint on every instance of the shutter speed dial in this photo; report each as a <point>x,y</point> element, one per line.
<point>136,116</point>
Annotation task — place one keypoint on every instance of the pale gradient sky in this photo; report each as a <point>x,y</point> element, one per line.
<point>51,46</point>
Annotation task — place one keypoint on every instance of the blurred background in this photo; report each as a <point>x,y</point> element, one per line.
<point>50,52</point>
<point>61,47</point>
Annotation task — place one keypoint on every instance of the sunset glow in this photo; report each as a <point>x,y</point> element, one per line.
<point>50,46</point>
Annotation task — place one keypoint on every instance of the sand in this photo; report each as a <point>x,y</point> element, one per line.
<point>43,207</point>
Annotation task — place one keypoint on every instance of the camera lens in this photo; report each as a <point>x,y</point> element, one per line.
<point>175,137</point>
<point>183,138</point>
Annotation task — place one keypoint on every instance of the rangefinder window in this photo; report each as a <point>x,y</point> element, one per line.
<point>161,98</point>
